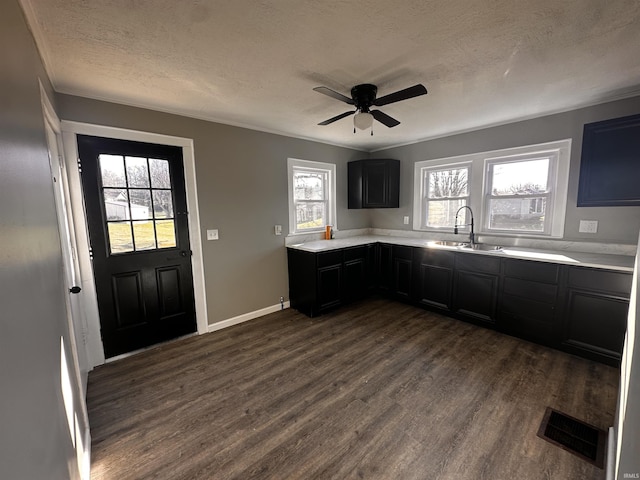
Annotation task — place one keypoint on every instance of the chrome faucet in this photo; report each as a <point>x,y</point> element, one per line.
<point>472,237</point>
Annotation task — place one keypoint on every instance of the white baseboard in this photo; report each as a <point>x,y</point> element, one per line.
<point>245,317</point>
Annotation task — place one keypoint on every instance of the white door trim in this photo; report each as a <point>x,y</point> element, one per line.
<point>69,131</point>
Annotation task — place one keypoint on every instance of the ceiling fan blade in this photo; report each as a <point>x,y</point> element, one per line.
<point>400,95</point>
<point>334,94</point>
<point>384,118</point>
<point>336,118</point>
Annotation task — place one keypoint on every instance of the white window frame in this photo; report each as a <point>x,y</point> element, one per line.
<point>293,165</point>
<point>560,153</point>
<point>425,171</point>
<point>549,195</point>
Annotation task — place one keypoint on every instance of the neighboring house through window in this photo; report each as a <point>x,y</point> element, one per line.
<point>516,191</point>
<point>311,195</point>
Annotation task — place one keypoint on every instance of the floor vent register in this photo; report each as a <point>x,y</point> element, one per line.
<point>573,435</point>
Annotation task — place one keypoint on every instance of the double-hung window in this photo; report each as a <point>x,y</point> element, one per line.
<point>311,195</point>
<point>518,192</point>
<point>515,191</point>
<point>445,191</point>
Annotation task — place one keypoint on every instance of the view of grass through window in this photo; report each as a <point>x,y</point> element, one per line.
<point>138,203</point>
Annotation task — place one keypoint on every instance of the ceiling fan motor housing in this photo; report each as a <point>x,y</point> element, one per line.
<point>364,95</point>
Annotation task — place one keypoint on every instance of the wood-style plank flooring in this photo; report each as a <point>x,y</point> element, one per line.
<point>375,390</point>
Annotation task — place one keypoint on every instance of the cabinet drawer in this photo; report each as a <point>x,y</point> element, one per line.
<point>354,253</point>
<point>477,263</point>
<point>535,271</point>
<point>540,292</point>
<point>429,256</point>
<point>405,253</point>
<point>329,258</point>
<point>602,280</point>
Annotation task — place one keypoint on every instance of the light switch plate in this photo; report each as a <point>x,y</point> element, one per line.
<point>588,226</point>
<point>212,234</point>
<point>406,220</point>
<point>277,229</point>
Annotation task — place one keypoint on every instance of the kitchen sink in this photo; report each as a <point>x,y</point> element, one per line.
<point>443,243</point>
<point>483,247</point>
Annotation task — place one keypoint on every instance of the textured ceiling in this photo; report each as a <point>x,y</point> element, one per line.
<point>254,63</point>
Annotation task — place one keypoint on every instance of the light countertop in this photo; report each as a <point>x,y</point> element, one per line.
<point>622,263</point>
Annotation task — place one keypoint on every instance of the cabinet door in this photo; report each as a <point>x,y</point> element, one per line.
<point>374,183</point>
<point>475,295</point>
<point>595,324</point>
<point>402,272</point>
<point>354,284</point>
<point>528,306</point>
<point>329,286</point>
<point>385,267</point>
<point>380,184</point>
<point>371,266</point>
<point>434,282</point>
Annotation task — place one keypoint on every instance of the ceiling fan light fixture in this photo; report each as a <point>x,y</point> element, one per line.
<point>363,120</point>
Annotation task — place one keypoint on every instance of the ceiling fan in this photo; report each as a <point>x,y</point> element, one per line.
<point>363,97</point>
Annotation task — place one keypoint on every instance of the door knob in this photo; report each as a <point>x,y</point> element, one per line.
<point>75,289</point>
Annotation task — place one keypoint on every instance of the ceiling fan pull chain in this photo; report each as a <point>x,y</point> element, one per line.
<point>372,131</point>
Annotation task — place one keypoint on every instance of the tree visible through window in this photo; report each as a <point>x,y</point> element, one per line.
<point>311,195</point>
<point>446,191</point>
<point>517,194</point>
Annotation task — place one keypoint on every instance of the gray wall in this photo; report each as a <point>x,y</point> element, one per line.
<point>34,439</point>
<point>616,224</point>
<point>242,191</point>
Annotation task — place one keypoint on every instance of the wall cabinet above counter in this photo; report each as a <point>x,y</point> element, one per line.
<point>374,183</point>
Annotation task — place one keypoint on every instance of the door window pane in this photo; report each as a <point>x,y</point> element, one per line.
<point>140,201</point>
<point>162,204</point>
<point>144,235</point>
<point>116,204</point>
<point>165,230</point>
<point>137,172</point>
<point>112,170</point>
<point>159,170</point>
<point>136,191</point>
<point>120,240</point>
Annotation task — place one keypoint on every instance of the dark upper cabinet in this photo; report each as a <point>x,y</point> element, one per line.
<point>610,164</point>
<point>374,183</point>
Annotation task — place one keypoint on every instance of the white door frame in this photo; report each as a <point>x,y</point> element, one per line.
<point>70,129</point>
<point>77,365</point>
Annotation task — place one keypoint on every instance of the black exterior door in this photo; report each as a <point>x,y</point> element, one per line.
<point>136,209</point>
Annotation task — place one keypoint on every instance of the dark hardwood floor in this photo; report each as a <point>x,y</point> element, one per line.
<point>376,390</point>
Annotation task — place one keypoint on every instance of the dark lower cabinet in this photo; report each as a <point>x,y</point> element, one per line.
<point>434,278</point>
<point>402,272</point>
<point>322,281</point>
<point>579,310</point>
<point>385,267</point>
<point>595,319</point>
<point>476,279</point>
<point>355,284</point>
<point>530,301</point>
<point>329,287</point>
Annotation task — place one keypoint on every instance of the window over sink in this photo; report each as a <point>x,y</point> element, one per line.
<point>515,191</point>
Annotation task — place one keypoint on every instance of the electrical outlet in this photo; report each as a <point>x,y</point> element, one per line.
<point>406,220</point>
<point>588,226</point>
<point>277,229</point>
<point>212,234</point>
